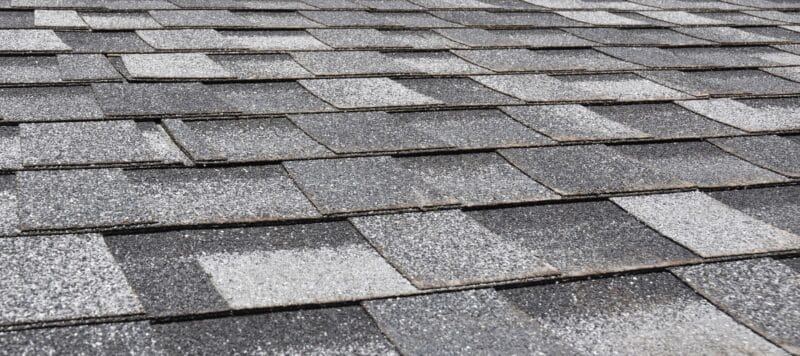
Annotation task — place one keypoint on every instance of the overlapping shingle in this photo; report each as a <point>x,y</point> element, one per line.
<point>506,19</point>
<point>119,21</point>
<point>48,104</point>
<point>642,314</point>
<point>86,67</point>
<point>475,37</point>
<point>523,60</point>
<point>288,40</point>
<point>261,66</point>
<point>589,169</point>
<point>572,123</point>
<point>759,293</point>
<point>61,19</point>
<point>199,18</point>
<point>457,91</point>
<point>126,99</point>
<point>707,226</point>
<point>277,19</point>
<point>269,98</point>
<point>104,42</point>
<point>773,152</point>
<point>26,41</point>
<point>728,82</point>
<point>173,66</point>
<point>777,206</point>
<point>190,39</point>
<point>109,338</point>
<point>366,93</point>
<point>750,114</point>
<point>638,36</point>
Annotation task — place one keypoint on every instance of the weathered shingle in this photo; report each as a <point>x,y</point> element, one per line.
<point>664,120</point>
<point>707,226</point>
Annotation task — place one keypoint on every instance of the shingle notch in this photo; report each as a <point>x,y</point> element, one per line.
<point>707,226</point>
<point>584,238</point>
<point>589,169</point>
<point>420,245</point>
<point>760,293</point>
<point>71,277</point>
<point>362,184</point>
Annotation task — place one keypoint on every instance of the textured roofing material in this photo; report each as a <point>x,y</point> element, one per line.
<point>389,177</point>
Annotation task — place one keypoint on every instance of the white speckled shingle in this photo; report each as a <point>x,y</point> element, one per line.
<point>49,278</point>
<point>189,39</point>
<point>448,248</point>
<point>58,19</point>
<point>48,104</point>
<point>603,18</point>
<point>31,41</point>
<point>571,123</point>
<point>86,67</point>
<point>773,152</point>
<point>274,40</point>
<point>366,92</point>
<point>262,66</point>
<point>681,18</point>
<point>706,226</point>
<point>739,114</point>
<point>173,65</point>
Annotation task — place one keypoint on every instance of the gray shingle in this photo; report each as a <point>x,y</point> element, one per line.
<point>602,18</point>
<point>373,131</point>
<point>71,277</point>
<point>29,70</point>
<point>10,149</point>
<point>269,98</point>
<point>383,39</point>
<point>330,331</point>
<point>119,21</point>
<point>584,4</point>
<point>248,140</point>
<point>584,238</point>
<point>728,82</point>
<point>435,63</point>
<point>457,91</point>
<point>104,42</point>
<point>261,66</point>
<point>420,245</point>
<point>366,92</point>
<point>15,41</point>
<point>664,120</point>
<point>572,123</point>
<point>279,19</point>
<point>389,4</point>
<point>589,169</point>
<point>727,57</point>
<point>773,152</point>
<point>61,19</point>
<point>636,36</point>
<point>469,322</point>
<point>778,206</point>
<point>195,146</point>
<point>50,200</point>
<point>700,163</point>
<point>86,67</point>
<point>523,60</point>
<point>783,16</point>
<point>691,4</point>
<point>191,39</point>
<point>707,226</point>
<point>173,66</point>
<point>477,179</point>
<point>274,40</point>
<point>641,314</point>
<point>126,99</point>
<point>16,19</point>
<point>48,104</point>
<point>376,19</point>
<point>740,18</point>
<point>184,272</point>
<point>750,115</point>
<point>236,194</point>
<point>350,62</point>
<point>729,35</point>
<point>199,18</point>
<point>682,18</point>
<point>539,87</point>
<point>506,19</point>
<point>362,184</point>
<point>476,37</point>
<point>84,143</point>
<point>9,219</point>
<point>760,293</point>
<point>110,338</point>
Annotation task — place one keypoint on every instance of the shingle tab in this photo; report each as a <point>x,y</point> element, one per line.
<point>366,92</point>
<point>9,211</point>
<point>523,60</point>
<point>572,123</point>
<point>773,152</point>
<point>173,66</point>
<point>664,120</point>
<point>84,143</point>
<point>235,194</point>
<point>436,63</point>
<point>730,35</point>
<point>601,18</point>
<point>760,293</point>
<point>331,331</point>
<point>261,66</point>
<point>584,238</point>
<point>700,163</point>
<point>682,18</point>
<point>86,67</point>
<point>29,70</point>
<point>199,18</point>
<point>274,40</point>
<point>15,41</point>
<point>119,21</point>
<point>777,206</point>
<point>277,19</point>
<point>707,226</point>
<point>636,36</point>
<point>269,98</point>
<point>750,115</point>
<point>190,39</point>
<point>728,82</point>
<point>476,37</point>
<point>249,140</point>
<point>457,91</point>
<point>506,19</point>
<point>641,314</point>
<point>48,104</point>
<point>362,184</point>
<point>350,62</point>
<point>58,19</point>
<point>126,99</point>
<point>109,338</point>
<point>474,321</point>
<point>71,277</point>
<point>50,200</point>
<point>104,42</point>
<point>477,179</point>
<point>420,245</point>
<point>589,169</point>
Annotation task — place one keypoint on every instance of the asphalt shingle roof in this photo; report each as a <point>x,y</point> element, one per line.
<point>409,177</point>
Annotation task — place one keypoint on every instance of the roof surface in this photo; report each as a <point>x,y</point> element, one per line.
<point>399,176</point>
